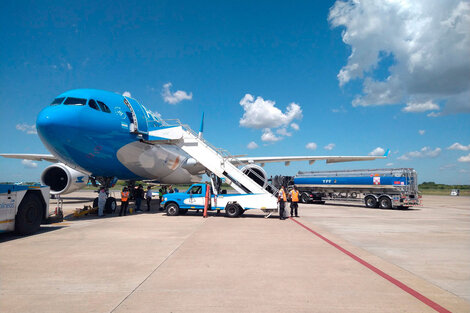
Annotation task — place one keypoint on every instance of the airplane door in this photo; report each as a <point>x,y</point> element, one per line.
<point>139,115</point>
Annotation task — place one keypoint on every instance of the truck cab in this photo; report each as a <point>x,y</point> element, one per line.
<point>23,207</point>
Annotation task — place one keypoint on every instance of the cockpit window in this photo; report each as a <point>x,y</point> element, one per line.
<point>93,105</point>
<point>75,101</point>
<point>57,101</point>
<point>104,107</point>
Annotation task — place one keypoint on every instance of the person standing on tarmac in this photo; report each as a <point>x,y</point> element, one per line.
<point>294,204</point>
<point>124,201</point>
<point>148,197</point>
<point>281,199</point>
<point>139,195</point>
<point>101,201</point>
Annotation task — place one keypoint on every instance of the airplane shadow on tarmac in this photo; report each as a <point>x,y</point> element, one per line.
<point>13,236</point>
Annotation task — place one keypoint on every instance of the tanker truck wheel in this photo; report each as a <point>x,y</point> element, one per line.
<point>385,203</point>
<point>304,197</point>
<point>371,202</point>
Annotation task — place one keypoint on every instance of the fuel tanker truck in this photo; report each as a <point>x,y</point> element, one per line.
<point>384,188</point>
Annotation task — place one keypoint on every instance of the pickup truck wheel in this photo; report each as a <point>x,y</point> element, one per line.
<point>29,216</point>
<point>172,209</point>
<point>370,202</point>
<point>232,210</point>
<point>304,197</point>
<point>385,203</point>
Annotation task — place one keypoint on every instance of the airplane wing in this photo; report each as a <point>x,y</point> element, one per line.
<point>310,159</point>
<point>34,157</point>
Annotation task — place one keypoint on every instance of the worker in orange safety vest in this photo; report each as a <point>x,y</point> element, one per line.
<point>294,202</point>
<point>124,201</point>
<point>281,199</point>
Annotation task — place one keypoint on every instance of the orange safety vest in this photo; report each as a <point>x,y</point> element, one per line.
<point>124,195</point>
<point>295,195</point>
<point>282,194</point>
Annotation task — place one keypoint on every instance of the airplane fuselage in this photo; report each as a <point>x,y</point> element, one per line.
<point>92,131</point>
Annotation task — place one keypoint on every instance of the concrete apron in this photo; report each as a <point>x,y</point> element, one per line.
<point>154,263</point>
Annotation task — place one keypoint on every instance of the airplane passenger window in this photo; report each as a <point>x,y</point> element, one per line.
<point>93,105</point>
<point>75,101</point>
<point>57,101</point>
<point>104,107</point>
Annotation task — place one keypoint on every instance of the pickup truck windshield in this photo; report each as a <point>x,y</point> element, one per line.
<point>195,190</point>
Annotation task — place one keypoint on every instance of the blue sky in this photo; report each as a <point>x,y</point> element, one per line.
<point>397,82</point>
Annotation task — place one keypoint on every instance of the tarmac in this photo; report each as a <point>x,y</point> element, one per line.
<point>340,257</point>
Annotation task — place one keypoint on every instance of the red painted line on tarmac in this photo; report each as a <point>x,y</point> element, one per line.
<point>394,281</point>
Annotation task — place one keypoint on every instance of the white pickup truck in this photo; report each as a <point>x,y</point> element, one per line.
<point>23,208</point>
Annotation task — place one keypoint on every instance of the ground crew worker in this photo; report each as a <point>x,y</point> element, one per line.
<point>281,199</point>
<point>101,201</point>
<point>124,201</point>
<point>294,204</point>
<point>148,197</point>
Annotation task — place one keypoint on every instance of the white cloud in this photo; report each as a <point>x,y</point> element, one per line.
<point>262,113</point>
<point>29,164</point>
<point>295,126</point>
<point>465,158</point>
<point>269,136</point>
<point>341,109</point>
<point>127,94</point>
<point>377,151</point>
<point>421,132</point>
<point>447,167</point>
<point>458,146</point>
<point>389,164</point>
<point>329,146</point>
<point>283,132</point>
<point>311,146</point>
<point>29,129</point>
<point>426,45</point>
<point>176,96</point>
<point>425,152</point>
<point>69,67</point>
<point>252,145</point>
<point>417,107</point>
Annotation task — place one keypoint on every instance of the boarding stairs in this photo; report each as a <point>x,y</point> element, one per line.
<point>215,160</point>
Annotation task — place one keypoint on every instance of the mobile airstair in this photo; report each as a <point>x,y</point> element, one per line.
<point>217,161</point>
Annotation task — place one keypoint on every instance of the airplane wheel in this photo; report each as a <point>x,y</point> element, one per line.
<point>172,209</point>
<point>29,216</point>
<point>110,205</point>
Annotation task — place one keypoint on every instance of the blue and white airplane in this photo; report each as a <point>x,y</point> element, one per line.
<point>106,136</point>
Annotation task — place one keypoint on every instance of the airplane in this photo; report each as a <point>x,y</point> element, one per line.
<point>104,136</point>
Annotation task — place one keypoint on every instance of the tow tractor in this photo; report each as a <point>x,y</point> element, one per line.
<point>233,204</point>
<point>23,208</point>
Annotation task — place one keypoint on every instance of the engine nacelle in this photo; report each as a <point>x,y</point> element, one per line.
<point>257,173</point>
<point>63,179</point>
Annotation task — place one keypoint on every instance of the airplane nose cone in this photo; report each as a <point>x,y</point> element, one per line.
<point>56,125</point>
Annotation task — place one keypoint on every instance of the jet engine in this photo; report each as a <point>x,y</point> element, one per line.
<point>257,173</point>
<point>63,179</point>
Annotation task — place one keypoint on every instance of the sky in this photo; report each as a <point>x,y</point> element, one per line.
<point>273,78</point>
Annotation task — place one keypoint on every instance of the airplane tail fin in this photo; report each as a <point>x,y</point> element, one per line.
<point>201,129</point>
<point>387,153</point>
